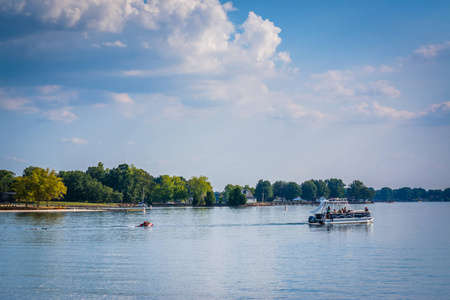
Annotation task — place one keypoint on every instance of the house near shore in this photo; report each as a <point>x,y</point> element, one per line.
<point>249,196</point>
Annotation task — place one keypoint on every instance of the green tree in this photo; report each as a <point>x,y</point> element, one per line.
<point>210,198</point>
<point>82,187</point>
<point>130,181</point>
<point>263,190</point>
<point>6,179</point>
<point>354,189</point>
<point>385,194</point>
<point>228,189</point>
<point>195,200</point>
<point>236,197</point>
<point>199,186</point>
<point>446,194</point>
<point>435,195</point>
<point>40,185</point>
<point>419,193</point>
<point>163,192</point>
<point>309,190</point>
<point>180,190</point>
<point>292,190</point>
<point>322,188</point>
<point>279,189</point>
<point>403,194</point>
<point>98,172</point>
<point>336,187</point>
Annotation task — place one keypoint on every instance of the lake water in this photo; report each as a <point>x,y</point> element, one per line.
<point>226,253</point>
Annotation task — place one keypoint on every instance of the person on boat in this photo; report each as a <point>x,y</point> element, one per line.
<point>366,209</point>
<point>145,224</point>
<point>344,210</point>
<point>328,212</point>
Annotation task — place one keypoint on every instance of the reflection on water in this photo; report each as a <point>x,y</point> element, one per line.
<point>216,253</point>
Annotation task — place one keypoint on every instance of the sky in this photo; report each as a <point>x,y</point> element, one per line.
<point>236,91</point>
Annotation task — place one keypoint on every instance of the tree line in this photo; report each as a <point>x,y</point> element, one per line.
<point>128,184</point>
<point>124,183</point>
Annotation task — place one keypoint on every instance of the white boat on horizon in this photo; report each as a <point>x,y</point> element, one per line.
<point>338,211</point>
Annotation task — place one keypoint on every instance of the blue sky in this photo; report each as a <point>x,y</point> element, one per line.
<point>236,91</point>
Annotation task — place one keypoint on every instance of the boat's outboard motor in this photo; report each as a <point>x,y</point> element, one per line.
<point>312,219</point>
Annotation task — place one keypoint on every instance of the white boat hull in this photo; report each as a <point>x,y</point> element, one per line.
<point>349,221</point>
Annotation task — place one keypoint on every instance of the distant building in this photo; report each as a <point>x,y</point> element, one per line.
<point>249,196</point>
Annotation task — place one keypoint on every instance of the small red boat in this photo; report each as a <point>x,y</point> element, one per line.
<point>145,224</point>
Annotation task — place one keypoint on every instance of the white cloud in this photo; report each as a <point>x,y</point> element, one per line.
<point>60,115</point>
<point>260,37</point>
<point>384,111</point>
<point>114,44</point>
<point>75,140</point>
<point>388,69</point>
<point>383,87</point>
<point>123,98</point>
<point>229,7</point>
<point>359,109</point>
<point>333,83</point>
<point>17,104</point>
<point>15,159</point>
<point>433,50</point>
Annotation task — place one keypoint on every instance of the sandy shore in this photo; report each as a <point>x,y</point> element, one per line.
<point>50,210</point>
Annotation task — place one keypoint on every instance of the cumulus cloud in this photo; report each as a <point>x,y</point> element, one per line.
<point>123,98</point>
<point>60,115</point>
<point>15,159</point>
<point>114,44</point>
<point>75,140</point>
<point>436,114</point>
<point>383,87</point>
<point>333,83</point>
<point>433,50</point>
<point>384,111</point>
<point>260,37</point>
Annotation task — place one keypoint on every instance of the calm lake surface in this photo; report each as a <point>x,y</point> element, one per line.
<point>226,253</point>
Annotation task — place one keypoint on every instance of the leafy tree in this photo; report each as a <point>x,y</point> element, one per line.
<point>82,187</point>
<point>403,194</point>
<point>322,188</point>
<point>6,179</point>
<point>210,198</point>
<point>40,185</point>
<point>130,181</point>
<point>385,194</point>
<point>435,195</point>
<point>98,172</point>
<point>195,200</point>
<point>418,193</point>
<point>279,189</point>
<point>292,190</point>
<point>446,194</point>
<point>228,189</point>
<point>163,192</point>
<point>199,186</point>
<point>309,190</point>
<point>236,197</point>
<point>336,187</point>
<point>28,171</point>
<point>354,189</point>
<point>367,193</point>
<point>180,190</point>
<point>263,190</point>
